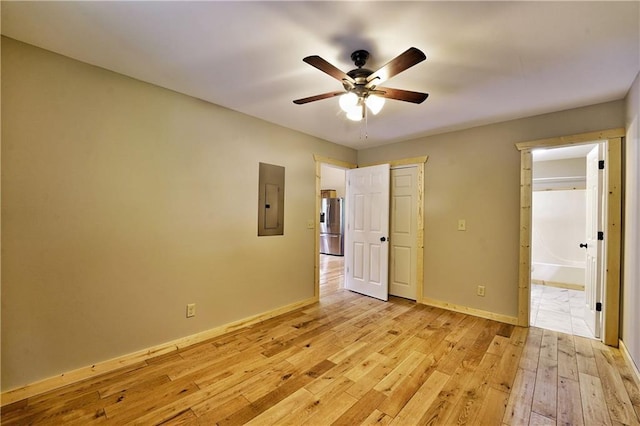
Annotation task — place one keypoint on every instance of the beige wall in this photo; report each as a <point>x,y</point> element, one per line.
<point>475,175</point>
<point>631,274</point>
<point>122,202</point>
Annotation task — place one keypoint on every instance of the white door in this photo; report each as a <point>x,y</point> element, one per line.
<point>403,232</point>
<point>366,248</point>
<point>593,277</point>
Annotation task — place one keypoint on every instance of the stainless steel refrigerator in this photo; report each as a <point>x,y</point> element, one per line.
<point>331,226</point>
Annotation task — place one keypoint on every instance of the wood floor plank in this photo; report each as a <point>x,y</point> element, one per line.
<point>518,409</point>
<point>273,414</point>
<point>618,402</point>
<point>540,420</point>
<point>593,401</point>
<point>405,390</point>
<point>278,394</point>
<point>493,407</point>
<point>365,383</point>
<point>531,350</point>
<point>330,413</point>
<point>377,417</point>
<point>505,373</point>
<point>442,404</point>
<point>567,364</point>
<point>519,336</point>
<point>276,376</point>
<point>584,356</point>
<point>549,345</point>
<point>486,332</point>
<point>498,345</point>
<point>361,410</point>
<point>569,403</point>
<point>458,326</point>
<point>212,410</point>
<point>365,367</point>
<point>466,406</point>
<point>454,359</point>
<point>78,408</point>
<point>546,388</point>
<point>186,418</point>
<point>133,399</point>
<point>350,359</point>
<point>394,378</point>
<point>327,398</point>
<point>631,383</point>
<point>424,397</point>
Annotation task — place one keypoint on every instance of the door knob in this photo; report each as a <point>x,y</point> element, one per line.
<point>583,245</point>
<point>383,239</point>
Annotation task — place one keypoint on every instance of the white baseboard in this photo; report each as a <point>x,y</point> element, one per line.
<point>83,373</point>
<point>470,311</point>
<point>627,357</point>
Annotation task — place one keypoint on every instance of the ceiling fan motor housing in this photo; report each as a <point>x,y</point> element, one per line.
<point>359,57</point>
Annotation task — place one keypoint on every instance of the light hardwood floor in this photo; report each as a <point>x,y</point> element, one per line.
<point>354,360</point>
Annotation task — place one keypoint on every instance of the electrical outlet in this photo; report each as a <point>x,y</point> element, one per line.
<point>481,290</point>
<point>311,224</point>
<point>191,310</point>
<point>462,225</point>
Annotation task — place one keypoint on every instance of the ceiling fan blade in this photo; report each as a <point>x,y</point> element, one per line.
<point>326,67</point>
<point>409,58</point>
<point>317,97</point>
<point>400,95</point>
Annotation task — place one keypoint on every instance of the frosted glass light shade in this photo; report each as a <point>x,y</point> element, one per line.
<point>355,113</point>
<point>348,101</point>
<point>374,103</point>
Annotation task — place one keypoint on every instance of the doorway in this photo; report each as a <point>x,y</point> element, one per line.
<point>610,303</point>
<point>559,233</point>
<point>331,259</point>
<point>327,266</point>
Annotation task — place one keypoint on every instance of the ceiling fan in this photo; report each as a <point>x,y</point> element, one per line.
<point>361,86</point>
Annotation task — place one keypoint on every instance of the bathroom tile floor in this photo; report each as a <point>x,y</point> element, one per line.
<point>558,309</point>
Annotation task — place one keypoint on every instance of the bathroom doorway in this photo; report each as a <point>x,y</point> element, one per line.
<point>559,267</point>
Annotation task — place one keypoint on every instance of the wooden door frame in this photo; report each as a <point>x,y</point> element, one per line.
<point>613,233</point>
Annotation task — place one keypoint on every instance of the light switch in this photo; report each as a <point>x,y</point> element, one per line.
<point>310,224</point>
<point>462,225</point>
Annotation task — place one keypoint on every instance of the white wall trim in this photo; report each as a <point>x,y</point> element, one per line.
<point>131,359</point>
<point>470,311</point>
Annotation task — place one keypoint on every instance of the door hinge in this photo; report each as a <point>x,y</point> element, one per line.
<point>599,307</point>
<point>600,236</point>
<point>601,165</point>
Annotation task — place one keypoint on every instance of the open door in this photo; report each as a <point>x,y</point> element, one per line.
<point>593,247</point>
<point>367,231</point>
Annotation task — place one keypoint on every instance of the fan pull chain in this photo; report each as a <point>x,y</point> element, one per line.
<point>365,129</point>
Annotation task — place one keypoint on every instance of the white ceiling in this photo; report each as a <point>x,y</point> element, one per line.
<point>486,61</point>
<point>562,153</point>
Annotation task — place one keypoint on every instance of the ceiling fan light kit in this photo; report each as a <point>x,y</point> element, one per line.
<point>361,86</point>
<point>353,105</point>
